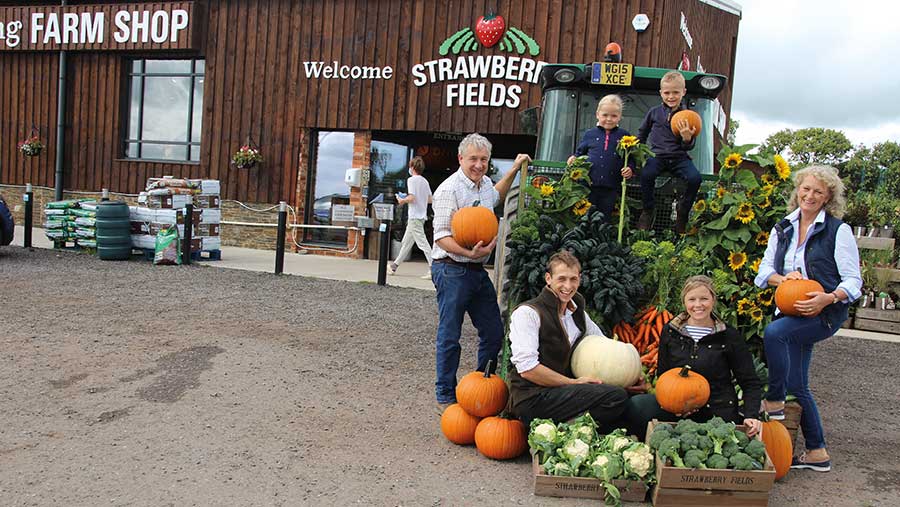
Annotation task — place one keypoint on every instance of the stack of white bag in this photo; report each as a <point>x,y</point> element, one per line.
<point>161,206</point>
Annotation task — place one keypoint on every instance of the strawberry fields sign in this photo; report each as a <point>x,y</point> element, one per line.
<point>463,72</point>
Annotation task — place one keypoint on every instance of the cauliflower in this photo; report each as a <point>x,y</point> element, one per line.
<point>575,452</point>
<point>620,443</point>
<point>639,459</point>
<point>543,438</point>
<point>585,433</point>
<point>545,431</point>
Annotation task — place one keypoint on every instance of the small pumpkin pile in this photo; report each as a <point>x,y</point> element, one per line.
<point>481,396</point>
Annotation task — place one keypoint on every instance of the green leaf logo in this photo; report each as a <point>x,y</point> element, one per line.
<point>513,41</point>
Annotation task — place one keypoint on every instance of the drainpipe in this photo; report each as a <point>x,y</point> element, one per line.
<point>60,122</point>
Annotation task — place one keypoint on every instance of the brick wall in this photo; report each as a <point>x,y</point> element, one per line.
<point>14,196</point>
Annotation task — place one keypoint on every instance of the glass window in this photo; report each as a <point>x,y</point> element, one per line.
<point>334,155</point>
<point>557,129</point>
<point>165,111</point>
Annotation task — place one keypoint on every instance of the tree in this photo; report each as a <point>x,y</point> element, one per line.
<point>872,168</point>
<point>809,146</point>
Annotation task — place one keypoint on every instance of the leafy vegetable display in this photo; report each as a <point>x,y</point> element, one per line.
<point>713,444</point>
<point>575,449</point>
<point>610,274</point>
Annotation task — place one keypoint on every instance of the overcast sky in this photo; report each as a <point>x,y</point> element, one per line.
<point>818,63</point>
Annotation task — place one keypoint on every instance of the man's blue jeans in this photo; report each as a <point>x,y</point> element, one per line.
<point>789,344</point>
<point>461,290</point>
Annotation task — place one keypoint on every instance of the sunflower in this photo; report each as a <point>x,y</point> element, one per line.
<point>754,266</point>
<point>581,207</point>
<point>547,190</point>
<point>744,306</point>
<point>715,206</point>
<point>736,260</point>
<point>766,297</point>
<point>762,238</point>
<point>766,203</point>
<point>733,160</point>
<point>700,206</point>
<point>767,190</point>
<point>767,179</point>
<point>576,174</point>
<point>628,142</point>
<point>782,167</point>
<point>756,314</point>
<point>720,192</point>
<point>745,213</point>
<point>749,194</point>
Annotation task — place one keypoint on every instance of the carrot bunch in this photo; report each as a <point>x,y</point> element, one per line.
<point>645,334</point>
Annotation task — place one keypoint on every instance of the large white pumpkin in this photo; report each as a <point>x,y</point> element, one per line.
<point>614,362</point>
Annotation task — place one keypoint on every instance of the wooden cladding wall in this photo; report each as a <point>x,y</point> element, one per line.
<point>256,84</point>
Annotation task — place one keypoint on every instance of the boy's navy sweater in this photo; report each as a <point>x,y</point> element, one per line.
<point>599,145</point>
<point>658,127</point>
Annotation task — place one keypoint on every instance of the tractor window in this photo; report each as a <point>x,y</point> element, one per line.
<point>557,134</point>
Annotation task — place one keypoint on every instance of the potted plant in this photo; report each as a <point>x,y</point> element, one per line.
<point>246,158</point>
<point>32,146</point>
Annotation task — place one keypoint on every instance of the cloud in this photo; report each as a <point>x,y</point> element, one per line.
<point>829,64</point>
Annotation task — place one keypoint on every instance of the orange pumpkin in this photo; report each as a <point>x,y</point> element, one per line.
<point>692,118</point>
<point>473,224</point>
<point>499,438</point>
<point>681,390</point>
<point>482,394</point>
<point>458,426</point>
<point>778,446</point>
<point>791,291</point>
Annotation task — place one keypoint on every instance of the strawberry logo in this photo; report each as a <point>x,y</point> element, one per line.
<point>489,29</point>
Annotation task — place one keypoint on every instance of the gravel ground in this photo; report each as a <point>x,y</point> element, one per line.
<point>127,384</point>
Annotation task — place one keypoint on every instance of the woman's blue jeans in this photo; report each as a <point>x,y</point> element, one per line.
<point>462,290</point>
<point>789,345</point>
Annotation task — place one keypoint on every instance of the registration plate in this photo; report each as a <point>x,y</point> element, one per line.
<point>611,74</point>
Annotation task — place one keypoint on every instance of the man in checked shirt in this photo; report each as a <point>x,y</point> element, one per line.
<point>463,286</point>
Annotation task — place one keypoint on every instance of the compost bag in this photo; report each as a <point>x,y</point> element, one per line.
<point>168,248</point>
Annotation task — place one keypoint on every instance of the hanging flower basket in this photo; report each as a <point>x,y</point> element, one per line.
<point>246,157</point>
<point>31,147</point>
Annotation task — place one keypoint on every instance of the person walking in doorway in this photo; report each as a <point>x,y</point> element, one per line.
<point>418,198</point>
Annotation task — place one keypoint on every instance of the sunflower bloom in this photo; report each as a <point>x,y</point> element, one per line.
<point>756,314</point>
<point>745,213</point>
<point>700,206</point>
<point>766,203</point>
<point>766,297</point>
<point>715,206</point>
<point>577,174</point>
<point>736,260</point>
<point>754,266</point>
<point>767,190</point>
<point>733,160</point>
<point>762,238</point>
<point>628,142</point>
<point>581,207</point>
<point>767,179</point>
<point>782,167</point>
<point>547,190</point>
<point>744,306</point>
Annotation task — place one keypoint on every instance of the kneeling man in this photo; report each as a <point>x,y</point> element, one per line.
<point>543,332</point>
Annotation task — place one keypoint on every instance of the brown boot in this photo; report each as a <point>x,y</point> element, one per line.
<point>645,221</point>
<point>682,213</point>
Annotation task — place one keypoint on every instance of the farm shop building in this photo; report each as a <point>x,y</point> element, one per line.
<point>176,88</point>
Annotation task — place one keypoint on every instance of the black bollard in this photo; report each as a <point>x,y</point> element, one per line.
<point>29,209</point>
<point>384,251</point>
<point>279,242</point>
<point>188,233</point>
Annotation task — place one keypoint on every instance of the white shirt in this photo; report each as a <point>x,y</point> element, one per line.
<point>846,256</point>
<point>457,192</point>
<point>524,326</point>
<point>418,186</point>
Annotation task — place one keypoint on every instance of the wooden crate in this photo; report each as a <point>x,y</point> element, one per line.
<point>792,413</point>
<point>582,487</point>
<point>882,321</point>
<point>734,488</point>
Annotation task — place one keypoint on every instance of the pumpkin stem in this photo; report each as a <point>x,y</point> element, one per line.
<point>685,371</point>
<point>476,204</point>
<point>491,368</point>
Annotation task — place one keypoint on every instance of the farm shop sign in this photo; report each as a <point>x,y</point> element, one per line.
<point>490,31</point>
<point>98,27</point>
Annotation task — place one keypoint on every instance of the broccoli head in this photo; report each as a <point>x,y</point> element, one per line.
<point>703,428</point>
<point>686,426</point>
<point>721,434</point>
<point>695,458</point>
<point>668,449</point>
<point>717,461</point>
<point>688,441</point>
<point>742,437</point>
<point>704,443</point>
<point>741,461</point>
<point>756,450</point>
<point>730,449</point>
<point>658,435</point>
<point>715,421</point>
